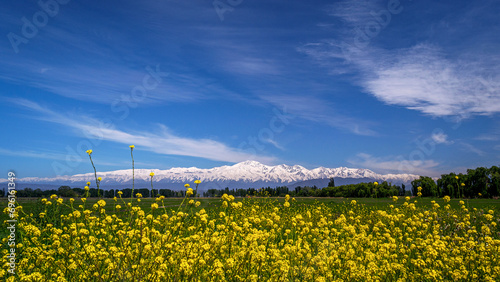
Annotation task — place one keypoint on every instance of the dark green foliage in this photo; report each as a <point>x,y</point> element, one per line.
<point>361,190</point>
<point>332,182</point>
<point>66,191</point>
<point>477,183</point>
<point>429,187</point>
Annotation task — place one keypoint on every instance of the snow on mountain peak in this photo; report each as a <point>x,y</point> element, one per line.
<point>247,171</point>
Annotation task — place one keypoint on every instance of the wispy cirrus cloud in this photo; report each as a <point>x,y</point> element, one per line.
<point>395,164</point>
<point>162,141</point>
<point>493,135</point>
<point>50,156</point>
<point>317,110</point>
<point>353,12</point>
<point>421,78</point>
<point>33,154</point>
<point>104,65</point>
<point>471,149</point>
<point>109,83</point>
<point>428,76</point>
<point>253,66</point>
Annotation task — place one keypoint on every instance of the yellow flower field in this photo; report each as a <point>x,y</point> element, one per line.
<point>256,239</point>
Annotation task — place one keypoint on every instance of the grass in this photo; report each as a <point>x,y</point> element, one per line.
<point>30,205</point>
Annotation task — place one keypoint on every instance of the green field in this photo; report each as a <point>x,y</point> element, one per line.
<point>32,205</point>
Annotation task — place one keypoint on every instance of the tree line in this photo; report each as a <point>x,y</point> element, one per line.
<point>66,191</point>
<point>476,183</point>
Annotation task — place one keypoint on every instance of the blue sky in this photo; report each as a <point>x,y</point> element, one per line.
<point>392,86</point>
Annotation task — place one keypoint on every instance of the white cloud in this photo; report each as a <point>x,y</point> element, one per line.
<point>437,81</point>
<point>421,78</point>
<point>395,164</point>
<point>440,138</point>
<point>275,144</point>
<point>162,141</point>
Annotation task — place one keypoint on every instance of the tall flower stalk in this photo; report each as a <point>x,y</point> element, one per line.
<point>133,170</point>
<point>189,192</point>
<point>152,174</point>
<point>197,182</point>
<point>97,179</point>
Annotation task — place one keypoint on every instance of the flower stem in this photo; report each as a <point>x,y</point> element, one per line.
<point>133,174</point>
<point>95,174</point>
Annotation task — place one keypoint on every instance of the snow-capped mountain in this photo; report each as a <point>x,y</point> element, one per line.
<point>241,175</point>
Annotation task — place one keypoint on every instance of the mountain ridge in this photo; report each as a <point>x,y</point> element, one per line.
<point>247,172</point>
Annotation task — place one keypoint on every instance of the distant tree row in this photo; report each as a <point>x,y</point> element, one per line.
<point>363,190</point>
<point>476,183</point>
<point>280,191</point>
<point>381,190</point>
<point>66,191</point>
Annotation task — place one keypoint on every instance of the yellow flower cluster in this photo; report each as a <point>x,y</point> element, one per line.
<point>258,240</point>
<point>287,201</point>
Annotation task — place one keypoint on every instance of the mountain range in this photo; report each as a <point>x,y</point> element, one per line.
<point>247,174</point>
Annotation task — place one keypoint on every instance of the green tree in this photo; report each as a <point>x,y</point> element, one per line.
<point>66,191</point>
<point>429,187</point>
<point>331,183</point>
